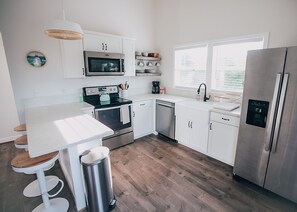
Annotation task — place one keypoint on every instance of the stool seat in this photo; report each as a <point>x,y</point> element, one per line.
<point>23,160</point>
<point>20,128</point>
<point>21,140</point>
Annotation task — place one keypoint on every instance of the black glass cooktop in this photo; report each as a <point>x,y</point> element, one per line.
<point>112,103</point>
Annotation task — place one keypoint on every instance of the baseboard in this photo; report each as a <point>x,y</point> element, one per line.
<point>8,139</point>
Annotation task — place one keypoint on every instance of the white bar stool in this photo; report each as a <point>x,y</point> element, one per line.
<point>22,163</point>
<point>32,190</point>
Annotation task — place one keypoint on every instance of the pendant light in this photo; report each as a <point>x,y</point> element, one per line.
<point>62,29</point>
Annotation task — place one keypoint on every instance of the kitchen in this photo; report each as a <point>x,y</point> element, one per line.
<point>150,23</point>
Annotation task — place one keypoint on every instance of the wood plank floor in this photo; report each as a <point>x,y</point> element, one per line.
<point>154,175</point>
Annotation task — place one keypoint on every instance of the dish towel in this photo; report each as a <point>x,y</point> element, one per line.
<point>125,115</point>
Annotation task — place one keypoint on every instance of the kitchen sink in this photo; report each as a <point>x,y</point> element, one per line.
<point>195,104</point>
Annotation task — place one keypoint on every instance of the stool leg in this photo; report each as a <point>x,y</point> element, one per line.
<point>43,190</point>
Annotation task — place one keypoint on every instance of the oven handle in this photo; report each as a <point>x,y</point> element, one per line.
<point>111,108</point>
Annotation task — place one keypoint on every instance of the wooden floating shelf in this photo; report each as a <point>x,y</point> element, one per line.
<point>148,74</point>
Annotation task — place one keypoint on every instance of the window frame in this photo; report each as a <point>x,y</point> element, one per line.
<point>210,45</point>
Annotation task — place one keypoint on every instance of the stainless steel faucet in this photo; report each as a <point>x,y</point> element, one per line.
<point>198,92</point>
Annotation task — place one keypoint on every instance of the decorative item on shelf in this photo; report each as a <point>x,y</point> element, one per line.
<point>64,30</point>
<point>156,55</point>
<point>137,53</point>
<point>162,90</point>
<point>145,54</point>
<point>36,59</point>
<point>124,89</point>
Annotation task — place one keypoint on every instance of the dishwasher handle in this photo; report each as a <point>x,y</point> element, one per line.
<point>165,105</point>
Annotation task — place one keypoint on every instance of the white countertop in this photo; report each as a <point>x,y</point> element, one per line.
<point>56,127</point>
<point>164,97</point>
<point>176,99</point>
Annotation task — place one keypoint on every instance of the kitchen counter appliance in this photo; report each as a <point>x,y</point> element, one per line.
<point>267,142</point>
<point>165,118</point>
<point>104,64</point>
<point>114,112</point>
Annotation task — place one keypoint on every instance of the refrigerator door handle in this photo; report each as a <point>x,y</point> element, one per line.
<point>269,134</point>
<point>280,112</point>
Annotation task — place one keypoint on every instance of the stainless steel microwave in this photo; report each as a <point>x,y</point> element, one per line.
<point>104,64</point>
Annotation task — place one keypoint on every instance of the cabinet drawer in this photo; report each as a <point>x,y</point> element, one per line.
<point>225,119</point>
<point>142,104</point>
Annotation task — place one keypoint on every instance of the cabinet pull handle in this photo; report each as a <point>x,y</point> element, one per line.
<point>133,114</point>
<point>106,47</point>
<point>210,126</point>
<point>226,119</point>
<point>188,123</point>
<point>83,71</point>
<point>142,104</point>
<point>191,124</point>
<point>102,46</point>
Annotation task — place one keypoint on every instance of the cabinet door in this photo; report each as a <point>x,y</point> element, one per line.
<point>113,44</point>
<point>72,58</point>
<point>129,52</point>
<point>143,118</point>
<point>222,142</point>
<point>199,131</point>
<point>182,129</point>
<point>94,43</point>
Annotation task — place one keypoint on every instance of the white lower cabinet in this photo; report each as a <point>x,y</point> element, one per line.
<point>143,118</point>
<point>223,133</point>
<point>192,127</point>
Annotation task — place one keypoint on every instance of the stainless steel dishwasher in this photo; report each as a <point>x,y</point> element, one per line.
<point>165,118</point>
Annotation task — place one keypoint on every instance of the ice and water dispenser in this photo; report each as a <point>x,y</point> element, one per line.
<point>257,113</point>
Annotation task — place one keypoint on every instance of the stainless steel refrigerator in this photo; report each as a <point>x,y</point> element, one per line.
<point>267,143</point>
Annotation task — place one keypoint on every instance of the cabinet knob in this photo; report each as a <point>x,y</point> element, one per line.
<point>210,126</point>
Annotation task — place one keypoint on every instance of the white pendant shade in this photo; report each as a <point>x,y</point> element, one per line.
<point>65,30</point>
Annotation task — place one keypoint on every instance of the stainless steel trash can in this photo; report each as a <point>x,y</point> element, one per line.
<point>98,180</point>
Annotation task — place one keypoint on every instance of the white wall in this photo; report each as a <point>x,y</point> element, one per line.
<point>8,112</point>
<point>190,21</point>
<point>22,24</point>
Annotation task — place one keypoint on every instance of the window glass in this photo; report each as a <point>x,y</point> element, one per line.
<point>190,66</point>
<point>228,65</point>
<point>219,64</point>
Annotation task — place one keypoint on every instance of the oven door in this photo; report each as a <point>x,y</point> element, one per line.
<point>118,118</point>
<point>104,64</point>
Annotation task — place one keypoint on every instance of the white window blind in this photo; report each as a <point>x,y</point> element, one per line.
<point>190,66</point>
<point>228,64</point>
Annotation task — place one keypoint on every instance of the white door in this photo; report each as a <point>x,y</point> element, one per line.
<point>129,52</point>
<point>72,58</point>
<point>143,118</point>
<point>113,44</point>
<point>222,142</point>
<point>94,43</point>
<point>8,113</point>
<point>182,129</point>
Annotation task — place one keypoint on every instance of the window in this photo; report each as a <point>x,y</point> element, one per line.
<point>221,64</point>
<point>190,66</point>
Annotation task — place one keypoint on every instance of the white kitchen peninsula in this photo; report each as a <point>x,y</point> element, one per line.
<point>65,128</point>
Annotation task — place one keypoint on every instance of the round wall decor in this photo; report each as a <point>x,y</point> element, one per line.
<point>36,59</point>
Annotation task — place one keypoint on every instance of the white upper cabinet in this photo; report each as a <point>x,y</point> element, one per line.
<point>72,52</point>
<point>72,58</point>
<point>102,43</point>
<point>129,52</point>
